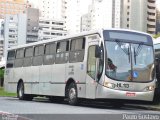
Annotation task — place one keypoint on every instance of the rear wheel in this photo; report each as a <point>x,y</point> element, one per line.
<point>72,94</point>
<point>20,93</point>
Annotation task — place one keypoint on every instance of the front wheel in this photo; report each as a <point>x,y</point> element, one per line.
<point>72,94</point>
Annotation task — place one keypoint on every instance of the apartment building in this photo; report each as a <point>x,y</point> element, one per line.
<point>12,7</point>
<point>1,38</point>
<point>21,28</point>
<point>139,15</point>
<point>63,10</point>
<point>49,29</point>
<point>102,14</point>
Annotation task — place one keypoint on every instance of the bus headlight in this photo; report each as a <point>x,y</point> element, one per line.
<point>109,85</point>
<point>150,88</point>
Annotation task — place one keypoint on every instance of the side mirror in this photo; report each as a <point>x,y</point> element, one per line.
<point>98,52</point>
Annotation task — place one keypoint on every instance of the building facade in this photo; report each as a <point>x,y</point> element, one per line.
<point>1,38</point>
<point>157,21</point>
<point>32,22</point>
<point>21,28</point>
<point>63,10</point>
<point>139,15</point>
<point>49,29</point>
<point>86,22</point>
<point>102,14</point>
<point>12,7</point>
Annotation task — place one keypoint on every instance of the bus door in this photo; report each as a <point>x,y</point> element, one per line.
<point>91,76</point>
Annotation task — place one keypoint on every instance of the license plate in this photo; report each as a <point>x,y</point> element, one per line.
<point>130,94</point>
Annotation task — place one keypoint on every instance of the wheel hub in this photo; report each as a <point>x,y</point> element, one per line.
<point>72,93</point>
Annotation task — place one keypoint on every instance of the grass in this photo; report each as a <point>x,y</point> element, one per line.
<point>6,94</point>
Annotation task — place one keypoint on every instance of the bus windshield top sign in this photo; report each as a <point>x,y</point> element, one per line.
<point>127,36</point>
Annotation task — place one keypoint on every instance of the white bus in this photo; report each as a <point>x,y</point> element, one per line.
<point>101,65</point>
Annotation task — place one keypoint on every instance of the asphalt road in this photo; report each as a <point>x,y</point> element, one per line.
<point>45,110</point>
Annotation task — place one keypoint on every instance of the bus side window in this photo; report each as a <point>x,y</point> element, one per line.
<point>49,57</point>
<point>77,50</point>
<point>38,55</point>
<point>10,59</point>
<point>62,52</point>
<point>28,57</point>
<point>19,58</point>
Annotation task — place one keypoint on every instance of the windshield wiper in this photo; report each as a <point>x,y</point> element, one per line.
<point>124,50</point>
<point>136,52</point>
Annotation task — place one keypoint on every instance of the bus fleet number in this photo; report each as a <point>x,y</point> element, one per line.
<point>122,85</point>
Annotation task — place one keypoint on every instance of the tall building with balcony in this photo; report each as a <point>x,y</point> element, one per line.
<point>139,15</point>
<point>49,29</point>
<point>12,7</point>
<point>63,10</point>
<point>151,16</point>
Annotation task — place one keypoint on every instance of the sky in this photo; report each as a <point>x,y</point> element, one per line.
<point>158,4</point>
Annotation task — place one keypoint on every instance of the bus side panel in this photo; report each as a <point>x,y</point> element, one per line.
<point>35,79</point>
<point>9,85</point>
<point>58,84</point>
<point>18,75</point>
<point>45,80</point>
<point>31,79</point>
<point>77,71</point>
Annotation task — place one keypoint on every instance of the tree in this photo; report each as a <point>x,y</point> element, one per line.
<point>1,77</point>
<point>156,36</point>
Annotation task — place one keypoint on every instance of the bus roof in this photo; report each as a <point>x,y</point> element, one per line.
<point>72,36</point>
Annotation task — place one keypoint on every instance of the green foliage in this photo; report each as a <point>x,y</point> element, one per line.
<point>6,94</point>
<point>156,36</point>
<point>1,73</point>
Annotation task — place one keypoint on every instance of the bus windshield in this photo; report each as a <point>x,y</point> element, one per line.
<point>127,61</point>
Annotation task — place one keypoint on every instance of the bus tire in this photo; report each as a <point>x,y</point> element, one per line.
<point>72,94</point>
<point>20,91</point>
